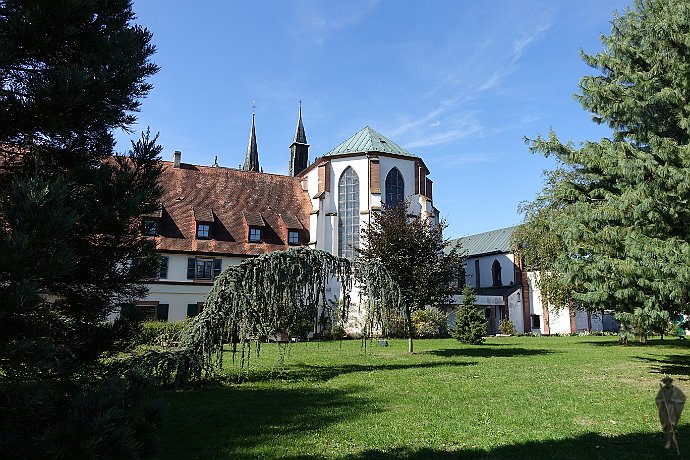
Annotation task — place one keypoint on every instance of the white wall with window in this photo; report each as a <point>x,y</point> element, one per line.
<point>185,281</point>
<point>486,270</point>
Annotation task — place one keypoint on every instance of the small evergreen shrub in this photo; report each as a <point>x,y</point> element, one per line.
<point>506,327</point>
<point>470,324</point>
<point>430,323</point>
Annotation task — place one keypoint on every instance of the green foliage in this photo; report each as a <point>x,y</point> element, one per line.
<point>506,327</point>
<point>262,297</point>
<point>430,323</point>
<point>618,215</point>
<point>70,73</point>
<point>641,323</point>
<point>160,333</point>
<point>421,262</point>
<point>470,324</point>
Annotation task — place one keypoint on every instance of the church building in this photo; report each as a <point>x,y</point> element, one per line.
<point>212,217</point>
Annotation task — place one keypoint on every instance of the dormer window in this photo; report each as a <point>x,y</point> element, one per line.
<point>203,230</point>
<point>293,227</point>
<point>149,226</point>
<point>255,234</point>
<point>204,219</point>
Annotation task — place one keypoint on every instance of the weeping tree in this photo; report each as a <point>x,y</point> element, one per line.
<point>267,295</point>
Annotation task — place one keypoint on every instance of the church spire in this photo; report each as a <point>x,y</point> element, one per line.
<point>251,159</point>
<point>299,150</point>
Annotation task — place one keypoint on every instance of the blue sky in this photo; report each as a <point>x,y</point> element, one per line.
<point>458,83</point>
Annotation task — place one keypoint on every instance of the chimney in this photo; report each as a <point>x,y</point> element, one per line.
<point>177,158</point>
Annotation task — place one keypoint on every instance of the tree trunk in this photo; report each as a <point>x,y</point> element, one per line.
<point>410,330</point>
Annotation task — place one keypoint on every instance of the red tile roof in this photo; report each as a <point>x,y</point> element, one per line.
<point>231,199</point>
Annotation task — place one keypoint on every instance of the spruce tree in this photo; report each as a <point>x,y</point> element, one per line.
<point>423,264</point>
<point>621,210</point>
<point>470,324</point>
<point>70,73</point>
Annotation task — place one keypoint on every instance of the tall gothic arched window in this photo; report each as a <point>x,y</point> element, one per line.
<point>348,213</point>
<point>496,273</point>
<point>395,187</point>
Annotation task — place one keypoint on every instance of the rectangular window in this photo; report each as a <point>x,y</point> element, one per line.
<point>255,234</point>
<point>149,226</point>
<point>192,310</point>
<point>203,269</point>
<point>203,231</point>
<point>163,268</point>
<point>477,280</point>
<point>293,237</point>
<point>162,312</point>
<point>536,321</point>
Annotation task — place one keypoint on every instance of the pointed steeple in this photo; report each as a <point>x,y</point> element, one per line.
<point>299,150</point>
<point>300,136</point>
<point>251,158</point>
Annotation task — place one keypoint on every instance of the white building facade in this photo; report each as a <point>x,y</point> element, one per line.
<point>213,217</point>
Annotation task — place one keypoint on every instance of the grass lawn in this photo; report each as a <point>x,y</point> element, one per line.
<point>513,397</point>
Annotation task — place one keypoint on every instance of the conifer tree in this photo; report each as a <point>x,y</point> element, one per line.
<point>70,73</point>
<point>470,324</point>
<point>423,264</point>
<point>620,213</point>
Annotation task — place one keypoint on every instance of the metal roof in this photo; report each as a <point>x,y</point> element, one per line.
<point>494,241</point>
<point>368,140</point>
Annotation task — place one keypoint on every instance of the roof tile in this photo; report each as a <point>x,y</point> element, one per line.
<point>231,194</point>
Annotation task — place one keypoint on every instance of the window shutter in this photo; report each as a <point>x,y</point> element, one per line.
<point>216,267</point>
<point>191,268</point>
<point>163,270</point>
<point>162,312</point>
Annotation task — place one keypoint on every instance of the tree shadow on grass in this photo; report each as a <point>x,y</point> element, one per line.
<point>670,364</point>
<point>224,421</point>
<point>307,372</point>
<point>482,351</point>
<point>666,343</point>
<point>591,446</point>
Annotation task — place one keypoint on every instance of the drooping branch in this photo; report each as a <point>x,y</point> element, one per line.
<point>269,295</point>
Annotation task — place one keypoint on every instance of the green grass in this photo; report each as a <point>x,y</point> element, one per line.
<point>513,397</point>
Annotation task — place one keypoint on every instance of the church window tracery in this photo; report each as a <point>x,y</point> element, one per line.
<point>348,213</point>
<point>395,187</point>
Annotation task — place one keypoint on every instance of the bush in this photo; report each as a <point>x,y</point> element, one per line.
<point>336,332</point>
<point>470,324</point>
<point>430,323</point>
<point>506,327</point>
<point>160,333</point>
<point>641,323</point>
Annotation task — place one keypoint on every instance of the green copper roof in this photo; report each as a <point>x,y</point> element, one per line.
<point>488,242</point>
<point>368,140</point>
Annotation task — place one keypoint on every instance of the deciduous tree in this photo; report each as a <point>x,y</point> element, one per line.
<point>418,258</point>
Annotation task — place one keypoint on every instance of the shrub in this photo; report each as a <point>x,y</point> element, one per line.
<point>506,327</point>
<point>470,324</point>
<point>641,323</point>
<point>430,323</point>
<point>160,333</point>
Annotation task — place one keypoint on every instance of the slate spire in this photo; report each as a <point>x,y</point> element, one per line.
<point>251,159</point>
<point>299,150</point>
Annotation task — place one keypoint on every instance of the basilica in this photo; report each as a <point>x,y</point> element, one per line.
<point>211,217</point>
